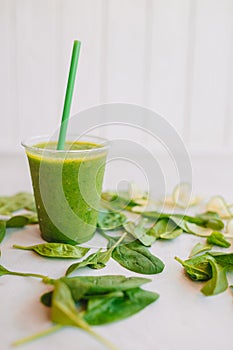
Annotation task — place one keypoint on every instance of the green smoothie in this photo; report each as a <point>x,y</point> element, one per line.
<point>67,186</point>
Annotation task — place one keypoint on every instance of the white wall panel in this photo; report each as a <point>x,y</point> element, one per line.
<point>168,59</point>
<point>125,50</point>
<point>211,72</point>
<point>8,77</point>
<point>36,59</point>
<point>125,57</point>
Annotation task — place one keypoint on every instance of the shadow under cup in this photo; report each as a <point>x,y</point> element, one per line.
<point>67,186</point>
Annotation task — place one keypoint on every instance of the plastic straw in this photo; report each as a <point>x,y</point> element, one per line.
<point>69,95</point>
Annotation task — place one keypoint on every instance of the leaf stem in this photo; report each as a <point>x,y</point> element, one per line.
<point>119,241</point>
<point>21,247</point>
<point>28,275</point>
<point>103,340</point>
<point>37,335</point>
<point>179,260</point>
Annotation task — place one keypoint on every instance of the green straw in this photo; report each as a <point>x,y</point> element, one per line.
<point>69,94</point>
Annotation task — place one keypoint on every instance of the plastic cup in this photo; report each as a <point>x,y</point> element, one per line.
<point>67,185</point>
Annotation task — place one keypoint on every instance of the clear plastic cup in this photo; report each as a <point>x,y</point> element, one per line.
<point>67,185</point>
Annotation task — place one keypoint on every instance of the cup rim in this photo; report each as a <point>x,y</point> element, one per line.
<point>104,144</point>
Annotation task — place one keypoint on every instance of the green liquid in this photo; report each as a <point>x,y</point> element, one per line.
<point>67,190</point>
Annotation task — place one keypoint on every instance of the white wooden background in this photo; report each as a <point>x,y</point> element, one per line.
<point>174,56</point>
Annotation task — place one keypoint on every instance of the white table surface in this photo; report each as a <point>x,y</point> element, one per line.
<point>181,319</point>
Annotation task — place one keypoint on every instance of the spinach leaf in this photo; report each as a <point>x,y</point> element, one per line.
<point>46,298</point>
<point>56,250</point>
<point>2,229</point>
<point>139,231</point>
<point>197,230</point>
<point>110,220</point>
<point>96,260</point>
<point>87,286</point>
<point>217,238</point>
<point>223,259</point>
<point>17,221</point>
<point>197,268</point>
<point>211,220</point>
<point>103,284</point>
<point>102,311</point>
<point>179,222</point>
<point>64,312</point>
<point>205,268</point>
<point>171,235</point>
<point>135,257</point>
<point>157,229</point>
<point>218,283</point>
<point>165,229</point>
<point>200,248</point>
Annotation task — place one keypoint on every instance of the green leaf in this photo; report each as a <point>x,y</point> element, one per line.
<point>223,259</point>
<point>56,250</point>
<point>63,307</point>
<point>204,267</point>
<point>217,238</point>
<point>101,284</point>
<point>197,268</point>
<point>179,222</point>
<point>102,311</point>
<point>17,221</point>
<point>171,235</point>
<point>135,257</point>
<point>212,220</point>
<point>200,248</point>
<point>88,286</point>
<point>2,230</point>
<point>197,230</point>
<point>139,231</point>
<point>96,260</point>
<point>164,228</point>
<point>110,220</point>
<point>218,283</point>
<point>64,312</point>
<point>46,299</point>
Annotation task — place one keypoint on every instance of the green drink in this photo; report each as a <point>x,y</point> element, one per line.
<point>67,186</point>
